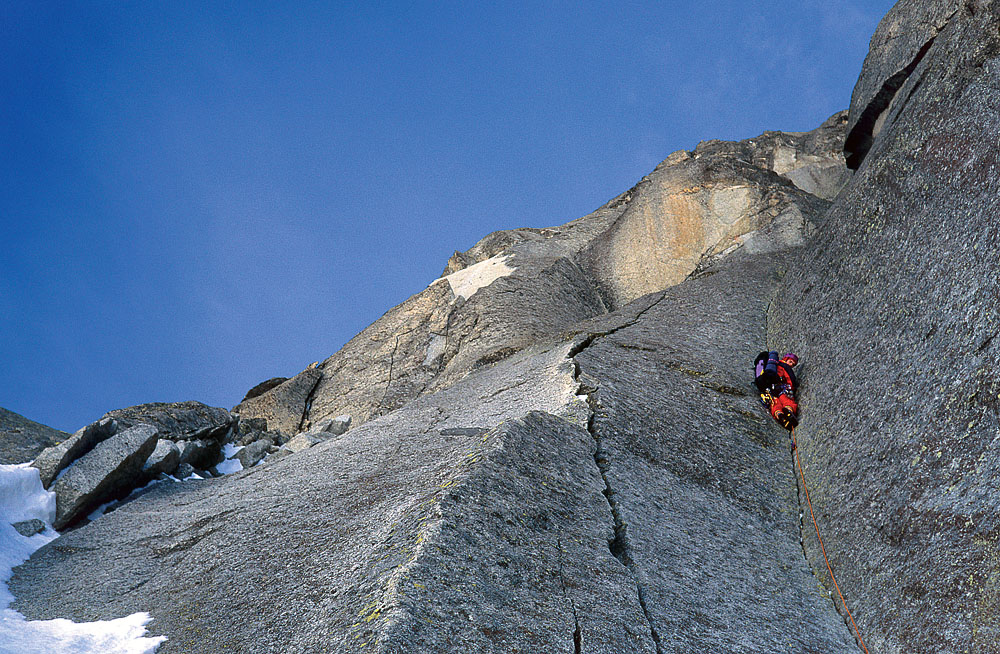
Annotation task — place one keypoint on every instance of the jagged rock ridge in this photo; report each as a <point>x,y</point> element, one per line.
<point>515,287</point>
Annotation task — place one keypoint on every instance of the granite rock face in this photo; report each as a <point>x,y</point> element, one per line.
<point>516,287</point>
<point>894,309</point>
<point>547,459</point>
<point>283,407</point>
<point>501,514</point>
<point>21,439</point>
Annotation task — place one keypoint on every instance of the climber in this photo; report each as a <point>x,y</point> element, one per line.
<point>775,380</point>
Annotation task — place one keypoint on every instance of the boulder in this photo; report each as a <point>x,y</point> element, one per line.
<point>336,426</point>
<point>264,387</point>
<point>184,471</point>
<point>51,461</point>
<point>250,455</point>
<point>29,528</point>
<point>275,437</point>
<point>178,420</point>
<point>107,472</point>
<point>339,425</point>
<point>302,441</point>
<point>165,458</point>
<point>22,440</point>
<point>200,454</point>
<point>284,406</point>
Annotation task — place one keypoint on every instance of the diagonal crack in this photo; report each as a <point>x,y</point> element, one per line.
<point>392,364</point>
<point>862,136</point>
<point>309,402</point>
<point>593,336</point>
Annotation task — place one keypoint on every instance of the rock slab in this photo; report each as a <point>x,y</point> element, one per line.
<point>105,473</point>
<point>894,310</point>
<point>51,461</point>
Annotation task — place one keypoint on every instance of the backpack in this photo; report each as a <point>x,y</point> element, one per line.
<point>766,377</point>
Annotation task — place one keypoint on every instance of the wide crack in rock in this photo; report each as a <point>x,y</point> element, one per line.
<point>618,545</point>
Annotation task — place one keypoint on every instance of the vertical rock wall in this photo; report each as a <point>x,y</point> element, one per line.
<point>895,309</point>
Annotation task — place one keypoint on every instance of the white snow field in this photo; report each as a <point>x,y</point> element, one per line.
<point>23,498</point>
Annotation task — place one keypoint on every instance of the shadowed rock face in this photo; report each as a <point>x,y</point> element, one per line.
<point>21,439</point>
<point>284,407</point>
<point>515,287</point>
<point>895,311</point>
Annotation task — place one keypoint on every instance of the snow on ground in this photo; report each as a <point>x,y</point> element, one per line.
<point>467,281</point>
<point>230,465</point>
<point>23,498</point>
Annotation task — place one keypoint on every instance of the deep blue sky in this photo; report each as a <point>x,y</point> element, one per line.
<point>197,196</point>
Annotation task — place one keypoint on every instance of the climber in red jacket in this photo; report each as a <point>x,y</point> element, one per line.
<point>776,382</point>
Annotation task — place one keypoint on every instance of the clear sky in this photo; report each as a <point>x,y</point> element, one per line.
<point>197,196</point>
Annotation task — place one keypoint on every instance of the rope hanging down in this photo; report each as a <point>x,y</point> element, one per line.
<point>795,448</point>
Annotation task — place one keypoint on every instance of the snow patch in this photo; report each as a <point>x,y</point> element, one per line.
<point>467,281</point>
<point>22,497</point>
<point>230,464</point>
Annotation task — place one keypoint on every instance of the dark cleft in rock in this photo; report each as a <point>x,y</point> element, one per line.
<point>902,40</point>
<point>105,473</point>
<point>21,439</point>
